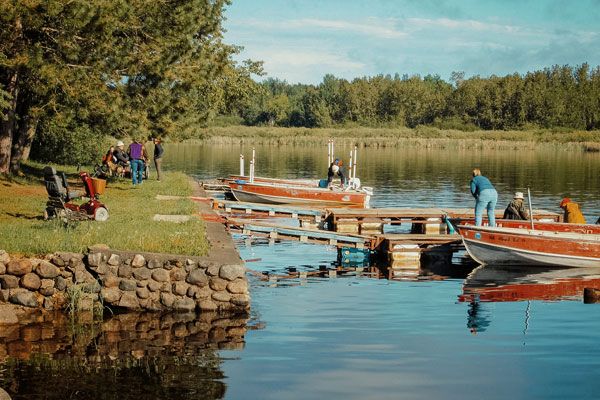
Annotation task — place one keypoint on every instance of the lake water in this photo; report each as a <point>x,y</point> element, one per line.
<point>496,334</point>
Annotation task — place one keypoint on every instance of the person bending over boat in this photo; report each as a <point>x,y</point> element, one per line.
<point>573,214</point>
<point>336,169</point>
<point>516,208</point>
<point>486,197</point>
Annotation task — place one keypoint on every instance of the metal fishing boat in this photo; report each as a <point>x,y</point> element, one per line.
<point>261,192</point>
<point>552,244</point>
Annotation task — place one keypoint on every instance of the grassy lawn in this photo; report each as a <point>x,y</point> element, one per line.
<point>130,226</point>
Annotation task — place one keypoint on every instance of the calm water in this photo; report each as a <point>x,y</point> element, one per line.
<point>350,337</point>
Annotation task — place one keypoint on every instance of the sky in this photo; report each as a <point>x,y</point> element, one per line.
<point>302,40</point>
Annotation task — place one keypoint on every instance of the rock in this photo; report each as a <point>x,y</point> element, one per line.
<point>23,297</point>
<point>47,287</point>
<point>231,272</point>
<point>125,271</point>
<point>4,257</point>
<point>56,260</point>
<point>103,269</point>
<point>2,268</point>
<point>111,295</point>
<point>142,293</point>
<point>138,261</point>
<point>8,315</point>
<point>218,284</point>
<point>154,286</point>
<point>167,299</point>
<point>185,304</point>
<point>168,266</point>
<point>242,300</point>
<point>128,285</point>
<point>154,263</point>
<point>197,277</point>
<point>19,267</point>
<point>83,276</point>
<point>110,281</point>
<point>129,301</point>
<point>190,262</point>
<point>200,293</point>
<point>59,283</point>
<point>221,296</point>
<point>142,284</point>
<point>213,270</point>
<point>4,295</point>
<point>160,275</point>
<point>48,303</point>
<point>94,259</point>
<point>92,287</point>
<point>178,274</point>
<point>47,270</point>
<point>66,274</point>
<point>114,259</point>
<point>239,286</point>
<point>98,247</point>
<point>142,273</point>
<point>165,287</point>
<point>9,281</point>
<point>180,288</point>
<point>207,305</point>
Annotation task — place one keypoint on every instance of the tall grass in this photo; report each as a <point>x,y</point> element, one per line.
<point>130,226</point>
<point>383,137</point>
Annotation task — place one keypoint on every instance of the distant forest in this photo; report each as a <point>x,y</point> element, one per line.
<point>560,96</point>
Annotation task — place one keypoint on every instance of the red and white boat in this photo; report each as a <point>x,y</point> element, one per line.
<point>274,193</point>
<point>549,244</point>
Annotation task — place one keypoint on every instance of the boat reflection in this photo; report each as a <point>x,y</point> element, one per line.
<point>496,283</point>
<point>129,356</point>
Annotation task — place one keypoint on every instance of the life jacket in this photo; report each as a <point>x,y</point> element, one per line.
<point>573,214</point>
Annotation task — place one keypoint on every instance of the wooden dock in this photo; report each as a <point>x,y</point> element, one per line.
<point>257,210</point>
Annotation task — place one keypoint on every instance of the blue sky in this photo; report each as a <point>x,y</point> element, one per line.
<point>302,40</point>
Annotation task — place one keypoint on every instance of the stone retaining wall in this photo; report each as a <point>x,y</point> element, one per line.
<point>132,281</point>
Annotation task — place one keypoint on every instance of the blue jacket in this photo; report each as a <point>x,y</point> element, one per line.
<point>479,183</point>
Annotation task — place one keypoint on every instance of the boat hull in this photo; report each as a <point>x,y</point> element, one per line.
<point>513,246</point>
<point>284,194</point>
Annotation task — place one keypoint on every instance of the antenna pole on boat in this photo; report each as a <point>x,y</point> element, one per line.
<point>354,165</point>
<point>530,209</point>
<point>241,165</point>
<point>350,167</point>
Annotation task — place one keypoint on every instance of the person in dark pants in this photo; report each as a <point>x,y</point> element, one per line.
<point>486,197</point>
<point>516,208</point>
<point>336,169</point>
<point>158,153</point>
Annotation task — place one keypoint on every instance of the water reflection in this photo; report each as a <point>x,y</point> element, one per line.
<point>128,356</point>
<point>494,283</point>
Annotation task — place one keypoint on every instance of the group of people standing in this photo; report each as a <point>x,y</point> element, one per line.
<point>134,160</point>
<point>486,198</point>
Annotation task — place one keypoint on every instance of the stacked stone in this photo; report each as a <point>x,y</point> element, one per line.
<point>125,281</point>
<point>160,283</point>
<point>43,282</point>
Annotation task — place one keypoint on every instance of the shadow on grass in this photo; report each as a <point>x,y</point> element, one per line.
<point>25,216</point>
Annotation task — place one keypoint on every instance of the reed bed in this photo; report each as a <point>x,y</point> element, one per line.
<point>421,136</point>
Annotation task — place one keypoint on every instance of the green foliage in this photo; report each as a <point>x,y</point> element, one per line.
<point>560,96</point>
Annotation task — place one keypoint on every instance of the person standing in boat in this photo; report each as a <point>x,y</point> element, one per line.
<point>573,214</point>
<point>486,197</point>
<point>516,208</point>
<point>336,169</point>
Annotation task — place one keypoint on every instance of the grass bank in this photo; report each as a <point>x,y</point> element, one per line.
<point>130,226</point>
<point>390,137</point>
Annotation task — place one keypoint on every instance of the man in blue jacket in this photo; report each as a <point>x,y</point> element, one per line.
<point>486,197</point>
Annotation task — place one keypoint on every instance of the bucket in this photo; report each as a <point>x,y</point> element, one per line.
<point>99,185</point>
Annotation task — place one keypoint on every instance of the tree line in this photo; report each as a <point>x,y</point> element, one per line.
<point>75,71</point>
<point>558,96</point>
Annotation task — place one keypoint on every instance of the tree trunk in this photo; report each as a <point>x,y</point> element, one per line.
<point>22,142</point>
<point>7,126</point>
